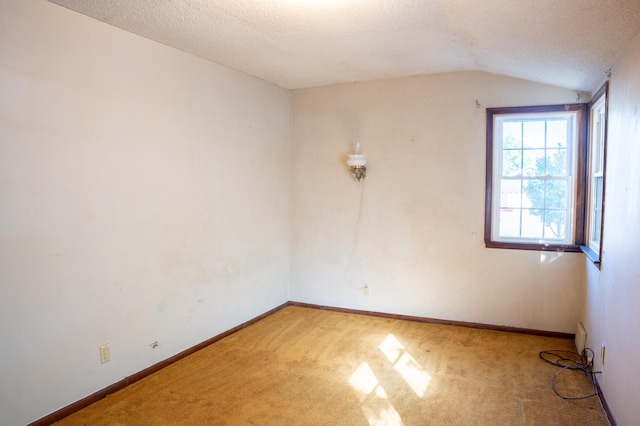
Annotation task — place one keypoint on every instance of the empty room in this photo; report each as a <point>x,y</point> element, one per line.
<point>339,212</point>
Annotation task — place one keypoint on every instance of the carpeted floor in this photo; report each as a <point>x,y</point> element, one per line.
<point>305,366</point>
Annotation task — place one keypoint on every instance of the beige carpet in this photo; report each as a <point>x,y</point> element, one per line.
<point>305,366</point>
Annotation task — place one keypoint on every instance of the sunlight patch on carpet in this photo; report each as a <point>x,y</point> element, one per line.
<point>410,370</point>
<point>375,404</point>
<point>363,379</point>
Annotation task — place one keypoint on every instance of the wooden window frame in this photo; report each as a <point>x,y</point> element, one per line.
<point>582,113</point>
<point>595,257</point>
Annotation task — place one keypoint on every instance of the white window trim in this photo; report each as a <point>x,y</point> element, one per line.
<point>570,177</point>
<point>593,248</point>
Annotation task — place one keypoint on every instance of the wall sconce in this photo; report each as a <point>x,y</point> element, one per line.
<point>357,163</point>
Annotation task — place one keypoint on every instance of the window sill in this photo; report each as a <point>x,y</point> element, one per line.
<point>566,248</point>
<point>591,255</point>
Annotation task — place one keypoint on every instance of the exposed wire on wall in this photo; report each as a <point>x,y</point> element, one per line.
<point>356,233</point>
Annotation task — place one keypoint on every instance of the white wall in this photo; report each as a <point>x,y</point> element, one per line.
<point>144,197</point>
<point>612,305</point>
<point>414,228</point>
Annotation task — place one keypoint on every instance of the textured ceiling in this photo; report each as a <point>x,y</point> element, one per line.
<point>304,43</point>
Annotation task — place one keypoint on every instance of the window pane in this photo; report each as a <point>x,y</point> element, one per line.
<point>556,162</point>
<point>511,162</point>
<point>533,161</point>
<point>509,222</point>
<point>557,133</point>
<point>532,223</point>
<point>555,224</point>
<point>512,134</point>
<point>533,134</point>
<point>598,127</point>
<point>598,190</point>
<point>534,193</point>
<point>597,226</point>
<point>597,150</point>
<point>596,211</point>
<point>555,196</point>
<point>511,193</point>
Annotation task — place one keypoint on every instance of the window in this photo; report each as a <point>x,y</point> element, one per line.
<point>534,193</point>
<point>596,175</point>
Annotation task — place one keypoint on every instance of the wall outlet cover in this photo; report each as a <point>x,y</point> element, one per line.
<point>105,353</point>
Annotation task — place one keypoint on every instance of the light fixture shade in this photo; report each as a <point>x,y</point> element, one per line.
<point>357,163</point>
<point>356,160</point>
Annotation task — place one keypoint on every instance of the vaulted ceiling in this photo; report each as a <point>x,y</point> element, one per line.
<point>305,43</point>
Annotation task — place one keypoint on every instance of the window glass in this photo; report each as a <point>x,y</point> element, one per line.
<point>534,178</point>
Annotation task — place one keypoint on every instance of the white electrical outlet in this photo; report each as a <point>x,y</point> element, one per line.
<point>105,353</point>
<point>366,289</point>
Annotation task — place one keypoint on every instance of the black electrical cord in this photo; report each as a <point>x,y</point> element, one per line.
<point>573,398</point>
<point>568,360</point>
<point>558,359</point>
